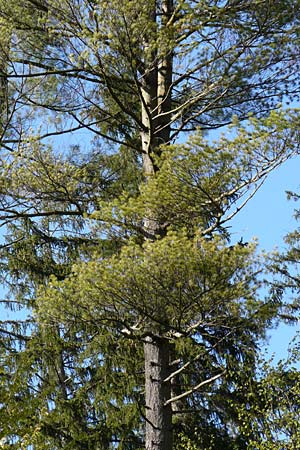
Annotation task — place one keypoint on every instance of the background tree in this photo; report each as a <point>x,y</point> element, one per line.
<point>285,269</point>
<point>271,411</point>
<point>274,397</point>
<point>136,78</point>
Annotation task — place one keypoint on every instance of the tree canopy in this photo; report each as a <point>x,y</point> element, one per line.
<point>131,134</point>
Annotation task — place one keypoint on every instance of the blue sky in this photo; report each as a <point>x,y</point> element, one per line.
<point>269,217</point>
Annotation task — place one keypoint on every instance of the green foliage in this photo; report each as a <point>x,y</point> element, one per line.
<point>199,183</point>
<point>200,290</point>
<point>99,256</point>
<point>110,46</point>
<point>284,267</point>
<point>271,412</point>
<point>166,282</point>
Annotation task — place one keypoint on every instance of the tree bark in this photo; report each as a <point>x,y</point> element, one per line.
<point>156,119</point>
<point>158,416</point>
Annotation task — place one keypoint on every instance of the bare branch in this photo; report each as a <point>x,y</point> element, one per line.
<point>195,388</point>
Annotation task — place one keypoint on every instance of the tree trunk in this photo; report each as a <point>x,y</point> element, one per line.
<point>156,119</point>
<point>158,416</point>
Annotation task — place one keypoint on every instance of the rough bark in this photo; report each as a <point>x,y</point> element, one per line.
<point>155,115</point>
<point>158,416</point>
<point>156,85</point>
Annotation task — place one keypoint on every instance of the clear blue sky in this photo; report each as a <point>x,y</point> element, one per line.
<point>269,217</point>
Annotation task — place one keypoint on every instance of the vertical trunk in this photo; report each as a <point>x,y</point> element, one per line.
<point>156,85</point>
<point>155,114</point>
<point>158,416</point>
<point>164,80</point>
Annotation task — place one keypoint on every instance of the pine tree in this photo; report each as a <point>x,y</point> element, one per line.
<point>143,314</point>
<point>284,267</point>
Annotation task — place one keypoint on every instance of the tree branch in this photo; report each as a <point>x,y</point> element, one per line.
<point>195,388</point>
